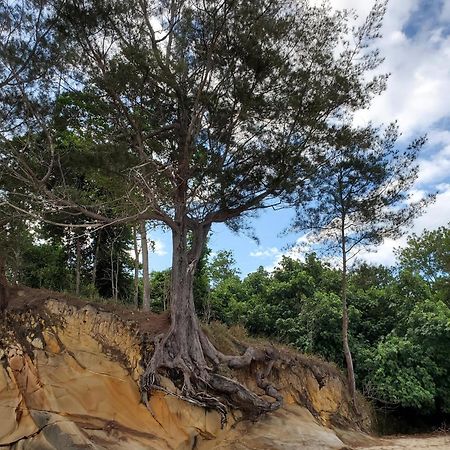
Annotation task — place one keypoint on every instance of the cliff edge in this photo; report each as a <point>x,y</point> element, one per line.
<point>69,379</point>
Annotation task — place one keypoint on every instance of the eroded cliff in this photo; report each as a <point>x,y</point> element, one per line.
<point>69,379</point>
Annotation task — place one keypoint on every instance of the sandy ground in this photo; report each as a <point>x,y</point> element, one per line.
<point>437,442</point>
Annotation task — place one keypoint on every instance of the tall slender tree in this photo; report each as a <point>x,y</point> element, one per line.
<point>4,289</point>
<point>192,113</point>
<point>77,265</point>
<point>136,267</point>
<point>361,197</point>
<point>145,268</point>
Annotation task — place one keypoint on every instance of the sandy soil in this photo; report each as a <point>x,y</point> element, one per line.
<point>436,442</point>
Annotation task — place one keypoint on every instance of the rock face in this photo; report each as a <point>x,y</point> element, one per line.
<point>69,380</point>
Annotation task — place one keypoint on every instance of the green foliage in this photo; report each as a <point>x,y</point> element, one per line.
<point>316,329</point>
<point>34,260</point>
<point>275,304</point>
<point>400,374</point>
<point>45,266</point>
<point>136,126</point>
<point>114,265</point>
<point>221,267</point>
<point>229,301</point>
<point>428,255</point>
<point>160,290</point>
<point>15,240</point>
<point>373,295</point>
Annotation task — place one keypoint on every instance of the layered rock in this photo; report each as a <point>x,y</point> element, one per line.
<point>69,379</point>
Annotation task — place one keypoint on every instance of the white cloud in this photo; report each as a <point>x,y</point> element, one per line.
<point>439,137</point>
<point>436,215</point>
<point>159,248</point>
<point>419,65</point>
<point>302,246</point>
<point>417,97</point>
<point>445,16</point>
<point>416,195</point>
<point>436,168</point>
<point>420,76</point>
<point>384,253</point>
<point>264,253</point>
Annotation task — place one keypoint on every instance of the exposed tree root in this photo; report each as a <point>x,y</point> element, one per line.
<point>184,359</point>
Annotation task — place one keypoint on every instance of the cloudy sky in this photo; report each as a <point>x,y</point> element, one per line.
<point>416,47</point>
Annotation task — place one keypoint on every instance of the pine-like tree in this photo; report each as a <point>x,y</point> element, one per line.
<point>360,197</point>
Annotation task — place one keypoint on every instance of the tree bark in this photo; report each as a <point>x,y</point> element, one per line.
<point>15,270</point>
<point>117,278</point>
<point>136,268</point>
<point>345,322</point>
<point>184,322</point>
<point>78,266</point>
<point>95,263</point>
<point>111,261</point>
<point>4,291</point>
<point>166,293</point>
<point>145,274</point>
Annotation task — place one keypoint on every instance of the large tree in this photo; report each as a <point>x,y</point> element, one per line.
<point>192,113</point>
<point>361,197</point>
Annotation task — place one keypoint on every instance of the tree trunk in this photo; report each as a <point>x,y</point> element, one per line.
<point>145,274</point>
<point>17,264</point>
<point>117,277</point>
<point>186,350</point>
<point>78,266</point>
<point>345,321</point>
<point>111,261</point>
<point>95,263</point>
<point>4,291</point>
<point>136,268</point>
<point>166,293</point>
<point>184,322</point>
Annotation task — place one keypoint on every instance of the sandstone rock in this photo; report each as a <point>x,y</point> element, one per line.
<point>77,388</point>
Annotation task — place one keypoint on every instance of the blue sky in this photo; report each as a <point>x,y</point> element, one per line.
<point>416,47</point>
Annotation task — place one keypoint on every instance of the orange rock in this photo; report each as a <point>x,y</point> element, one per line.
<point>80,390</point>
